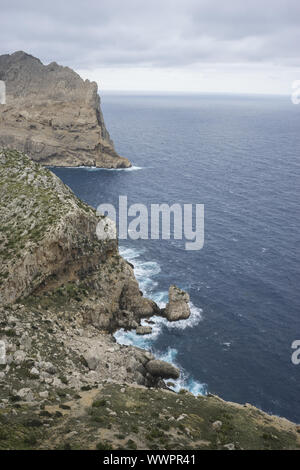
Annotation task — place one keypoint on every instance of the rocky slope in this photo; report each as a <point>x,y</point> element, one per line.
<point>53,115</point>
<point>67,386</point>
<point>65,382</point>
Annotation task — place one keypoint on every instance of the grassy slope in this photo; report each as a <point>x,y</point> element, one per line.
<point>132,417</point>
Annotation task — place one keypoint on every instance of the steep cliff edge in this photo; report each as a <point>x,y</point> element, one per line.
<point>49,248</point>
<point>53,115</point>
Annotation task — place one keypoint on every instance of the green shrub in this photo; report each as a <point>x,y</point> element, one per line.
<point>104,446</point>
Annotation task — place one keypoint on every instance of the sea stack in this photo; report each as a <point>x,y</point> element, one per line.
<point>178,306</point>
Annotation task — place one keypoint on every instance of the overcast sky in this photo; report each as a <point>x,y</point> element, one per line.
<point>168,45</point>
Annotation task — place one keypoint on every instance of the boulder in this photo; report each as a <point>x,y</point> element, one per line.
<point>143,330</point>
<point>178,306</point>
<point>34,373</point>
<point>216,425</point>
<point>25,394</point>
<point>19,356</point>
<point>162,369</point>
<point>132,300</point>
<point>92,358</point>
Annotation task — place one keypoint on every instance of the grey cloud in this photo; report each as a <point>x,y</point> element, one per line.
<point>95,33</point>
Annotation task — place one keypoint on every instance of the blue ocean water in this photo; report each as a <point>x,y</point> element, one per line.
<point>239,156</point>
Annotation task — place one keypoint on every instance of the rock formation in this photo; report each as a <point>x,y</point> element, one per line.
<point>162,369</point>
<point>143,330</point>
<point>178,306</point>
<point>65,386</point>
<point>49,246</point>
<point>53,115</point>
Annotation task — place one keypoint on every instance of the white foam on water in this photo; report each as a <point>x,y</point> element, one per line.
<point>185,381</point>
<point>129,253</point>
<point>94,168</point>
<point>161,298</point>
<point>144,270</point>
<point>130,338</point>
<point>193,320</point>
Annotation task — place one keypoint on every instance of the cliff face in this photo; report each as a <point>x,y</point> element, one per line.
<point>49,248</point>
<point>53,115</point>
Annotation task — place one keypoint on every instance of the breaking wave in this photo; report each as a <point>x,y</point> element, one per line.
<point>94,168</point>
<point>145,272</point>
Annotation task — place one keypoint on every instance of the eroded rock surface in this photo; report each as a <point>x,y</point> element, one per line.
<point>51,352</point>
<point>50,253</point>
<point>178,306</point>
<point>53,115</point>
<point>162,369</point>
<point>143,330</point>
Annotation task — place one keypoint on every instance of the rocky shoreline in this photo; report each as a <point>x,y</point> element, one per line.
<point>61,269</point>
<point>66,382</point>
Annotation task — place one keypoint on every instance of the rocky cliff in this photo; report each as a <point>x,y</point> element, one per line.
<point>65,382</point>
<point>53,115</point>
<point>49,248</point>
<point>54,266</point>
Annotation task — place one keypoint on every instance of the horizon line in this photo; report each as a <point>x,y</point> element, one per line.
<point>180,92</point>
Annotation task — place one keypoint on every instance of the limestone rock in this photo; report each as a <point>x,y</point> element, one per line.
<point>19,356</point>
<point>132,300</point>
<point>25,394</point>
<point>178,306</point>
<point>54,115</point>
<point>143,330</point>
<point>216,425</point>
<point>52,247</point>
<point>34,372</point>
<point>93,357</point>
<point>162,369</point>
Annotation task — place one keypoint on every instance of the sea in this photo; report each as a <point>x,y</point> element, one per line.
<point>238,155</point>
